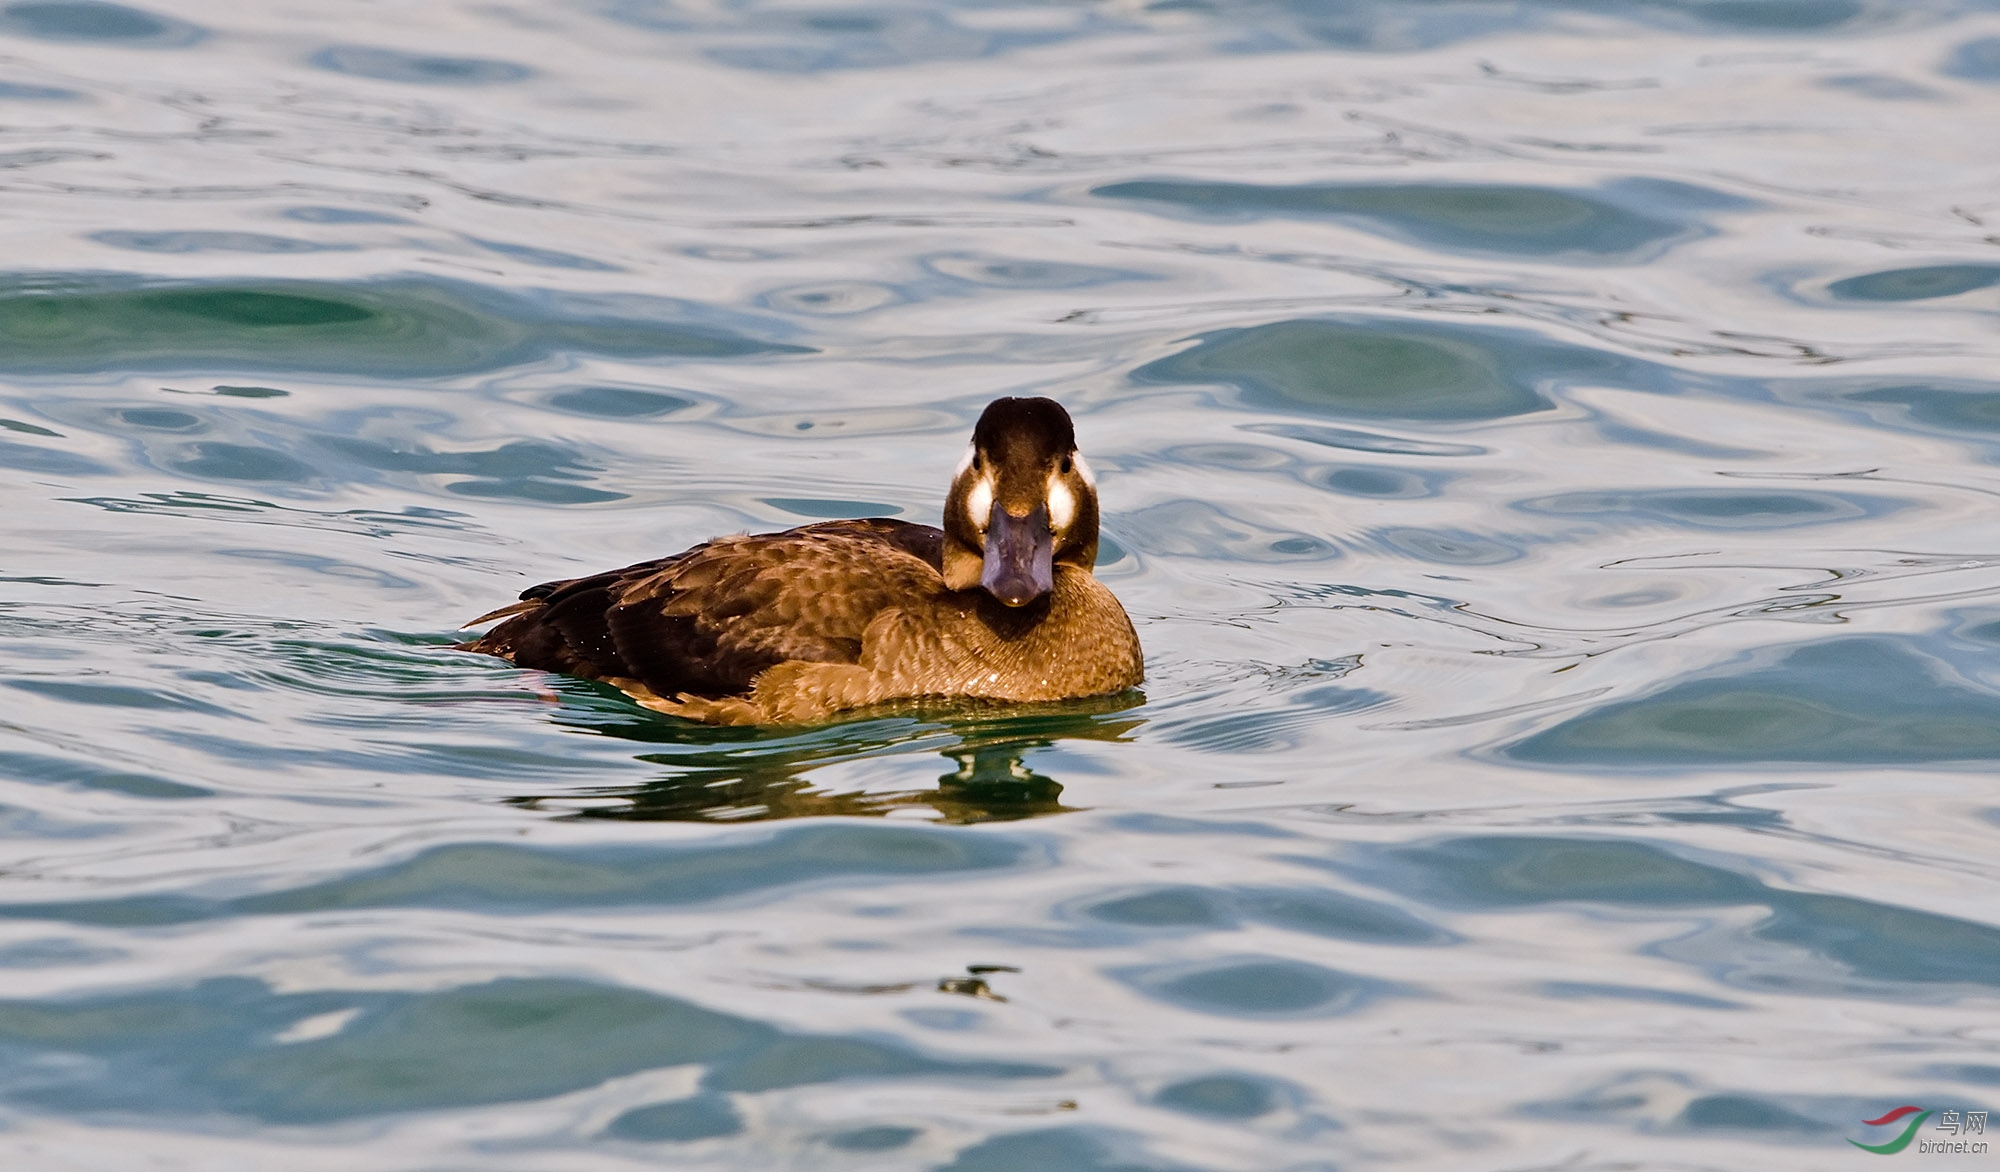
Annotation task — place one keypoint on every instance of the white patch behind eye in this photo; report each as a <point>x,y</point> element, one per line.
<point>979,502</point>
<point>1083,469</point>
<point>1062,503</point>
<point>965,462</point>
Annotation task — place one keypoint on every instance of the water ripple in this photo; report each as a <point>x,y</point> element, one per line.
<point>1546,449</point>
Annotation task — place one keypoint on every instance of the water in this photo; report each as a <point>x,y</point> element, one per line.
<point>1548,451</point>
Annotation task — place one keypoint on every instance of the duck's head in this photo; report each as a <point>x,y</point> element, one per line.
<point>1022,503</point>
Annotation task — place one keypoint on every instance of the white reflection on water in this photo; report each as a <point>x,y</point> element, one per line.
<point>1547,450</point>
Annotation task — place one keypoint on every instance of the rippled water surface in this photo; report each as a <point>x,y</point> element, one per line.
<point>1548,451</point>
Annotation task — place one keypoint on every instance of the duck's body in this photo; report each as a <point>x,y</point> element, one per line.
<point>798,626</point>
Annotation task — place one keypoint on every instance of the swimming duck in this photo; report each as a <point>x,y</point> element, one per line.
<point>796,627</point>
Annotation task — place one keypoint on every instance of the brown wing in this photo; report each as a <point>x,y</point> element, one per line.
<point>708,621</point>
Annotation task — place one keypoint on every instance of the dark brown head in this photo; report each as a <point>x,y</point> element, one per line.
<point>1022,502</point>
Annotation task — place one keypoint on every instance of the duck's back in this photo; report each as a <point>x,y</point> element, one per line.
<point>708,622</point>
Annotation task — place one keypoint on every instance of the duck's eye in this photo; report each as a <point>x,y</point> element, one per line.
<point>1066,466</point>
<point>978,462</point>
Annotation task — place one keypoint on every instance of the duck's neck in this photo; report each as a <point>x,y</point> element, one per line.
<point>1077,638</point>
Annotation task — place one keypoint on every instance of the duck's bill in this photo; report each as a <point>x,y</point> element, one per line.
<point>1020,556</point>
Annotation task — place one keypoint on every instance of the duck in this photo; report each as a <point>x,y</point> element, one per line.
<point>1000,604</point>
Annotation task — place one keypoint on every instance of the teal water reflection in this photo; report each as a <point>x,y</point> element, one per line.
<point>221,1046</point>
<point>736,775</point>
<point>1528,221</point>
<point>502,879</point>
<point>1545,447</point>
<point>97,21</point>
<point>1852,701</point>
<point>84,323</point>
<point>1872,949</point>
<point>1361,369</point>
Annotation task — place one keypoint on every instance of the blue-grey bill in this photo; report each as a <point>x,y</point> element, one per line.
<point>1020,556</point>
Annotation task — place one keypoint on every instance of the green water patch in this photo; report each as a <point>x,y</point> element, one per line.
<point>1748,1113</point>
<point>1272,729</point>
<point>881,1138</point>
<point>1975,1074</point>
<point>822,508</point>
<point>1921,283</point>
<point>98,22</point>
<point>42,769</point>
<point>678,1121</point>
<point>1375,482</point>
<point>788,39</point>
<point>1598,991</point>
<point>618,402</point>
<point>1883,87</point>
<point>1629,220</point>
<point>832,298</point>
<point>1220,1096</point>
<point>1389,26</point>
<point>236,1046</point>
<point>114,696</point>
<point>1363,441</point>
<point>1716,508</point>
<point>777,39</point>
<point>1443,547</point>
<point>367,665</point>
<point>416,68</point>
<point>1198,529</point>
<point>1252,987</point>
<point>175,242</point>
<point>1960,409</point>
<point>48,461</point>
<point>12,91</point>
<point>1800,942</point>
<point>1646,1101</point>
<point>1072,1149</point>
<point>532,470</point>
<point>1001,272</point>
<point>802,1060</point>
<point>1176,909</point>
<point>367,522</point>
<point>1772,16</point>
<point>54,952</point>
<point>321,214</point>
<point>403,327</point>
<point>548,258</point>
<point>225,461</point>
<point>1185,910</point>
<point>1860,700</point>
<point>1977,60</point>
<point>1389,369</point>
<point>511,879</point>
<point>158,419</point>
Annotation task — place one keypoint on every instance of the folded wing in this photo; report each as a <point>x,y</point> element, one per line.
<point>708,621</point>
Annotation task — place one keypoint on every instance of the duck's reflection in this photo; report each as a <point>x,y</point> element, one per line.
<point>753,774</point>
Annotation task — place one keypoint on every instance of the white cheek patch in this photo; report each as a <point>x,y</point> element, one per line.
<point>979,502</point>
<point>1062,504</point>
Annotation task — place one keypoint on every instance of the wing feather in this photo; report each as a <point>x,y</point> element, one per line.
<point>708,621</point>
